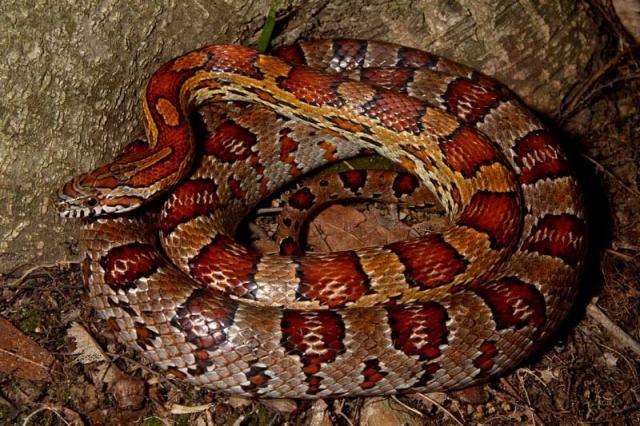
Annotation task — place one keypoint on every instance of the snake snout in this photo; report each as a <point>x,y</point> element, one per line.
<point>73,203</point>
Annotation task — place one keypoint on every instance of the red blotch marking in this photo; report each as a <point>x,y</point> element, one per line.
<point>469,100</point>
<point>235,185</point>
<point>413,58</point>
<point>226,266</point>
<point>230,142</point>
<point>540,157</point>
<point>467,150</point>
<point>419,329</point>
<point>405,184</point>
<point>558,236</point>
<point>372,374</point>
<point>317,337</point>
<point>354,180</point>
<point>144,336</point>
<point>292,54</point>
<point>496,214</point>
<point>234,58</point>
<point>390,78</point>
<point>312,86</point>
<point>348,54</point>
<point>396,111</point>
<point>302,199</point>
<point>485,361</point>
<point>288,146</point>
<point>329,151</point>
<point>124,265</point>
<point>257,378</point>
<point>176,373</point>
<point>429,261</point>
<point>205,318</point>
<point>333,279</point>
<point>288,247</point>
<point>192,199</point>
<point>515,304</point>
<point>428,370</point>
<point>113,324</point>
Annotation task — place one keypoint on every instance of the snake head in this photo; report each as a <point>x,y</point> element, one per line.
<point>94,194</point>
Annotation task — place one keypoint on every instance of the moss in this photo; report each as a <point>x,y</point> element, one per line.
<point>29,319</point>
<point>259,417</point>
<point>183,420</point>
<point>153,421</point>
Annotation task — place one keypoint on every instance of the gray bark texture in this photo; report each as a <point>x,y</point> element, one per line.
<point>71,74</point>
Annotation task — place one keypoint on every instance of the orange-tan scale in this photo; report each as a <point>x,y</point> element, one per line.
<point>439,312</point>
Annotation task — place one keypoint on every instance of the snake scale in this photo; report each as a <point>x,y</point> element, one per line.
<point>442,311</point>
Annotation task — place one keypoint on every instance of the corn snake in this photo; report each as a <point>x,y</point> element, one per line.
<point>440,312</point>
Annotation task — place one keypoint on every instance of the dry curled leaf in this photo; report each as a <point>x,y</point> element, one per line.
<point>384,411</point>
<point>281,406</point>
<point>129,392</point>
<point>22,357</point>
<point>343,227</point>
<point>184,409</point>
<point>89,351</point>
<point>319,414</point>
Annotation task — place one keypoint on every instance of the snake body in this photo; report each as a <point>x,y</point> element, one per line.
<point>439,312</point>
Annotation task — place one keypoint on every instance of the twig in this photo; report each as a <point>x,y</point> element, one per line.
<point>624,357</point>
<point>239,420</point>
<point>76,420</point>
<point>515,396</point>
<point>184,409</point>
<point>161,420</point>
<point>338,410</point>
<point>616,332</point>
<point>322,237</point>
<point>440,406</point>
<point>620,255</point>
<point>268,210</point>
<point>403,405</point>
<point>612,175</point>
<point>571,105</point>
<point>31,270</point>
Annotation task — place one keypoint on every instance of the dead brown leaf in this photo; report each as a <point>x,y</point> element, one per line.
<point>21,357</point>
<point>384,411</point>
<point>344,227</point>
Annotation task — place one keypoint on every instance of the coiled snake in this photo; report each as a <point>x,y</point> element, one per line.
<point>443,311</point>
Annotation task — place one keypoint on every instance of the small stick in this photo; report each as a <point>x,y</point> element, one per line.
<point>268,210</point>
<point>442,407</point>
<point>619,334</point>
<point>611,175</point>
<point>620,255</point>
<point>31,270</point>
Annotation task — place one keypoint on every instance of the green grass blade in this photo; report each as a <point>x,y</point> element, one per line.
<point>269,25</point>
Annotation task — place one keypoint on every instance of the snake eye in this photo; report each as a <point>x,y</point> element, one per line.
<point>91,202</point>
